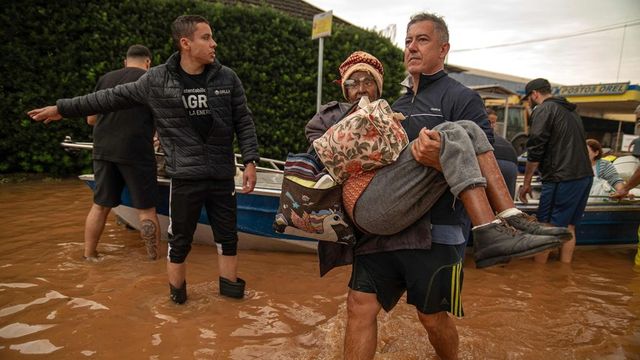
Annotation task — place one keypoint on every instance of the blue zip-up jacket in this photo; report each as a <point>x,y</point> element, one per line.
<point>439,99</point>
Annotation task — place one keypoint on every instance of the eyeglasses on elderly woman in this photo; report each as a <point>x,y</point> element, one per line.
<point>366,81</point>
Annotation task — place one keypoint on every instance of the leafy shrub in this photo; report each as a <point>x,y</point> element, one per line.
<point>58,49</point>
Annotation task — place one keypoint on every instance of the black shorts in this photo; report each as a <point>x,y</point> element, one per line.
<point>431,278</point>
<point>111,178</point>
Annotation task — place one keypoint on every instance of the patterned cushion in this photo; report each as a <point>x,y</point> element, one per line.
<point>368,139</point>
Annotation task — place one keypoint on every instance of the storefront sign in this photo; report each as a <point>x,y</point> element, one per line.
<point>596,89</point>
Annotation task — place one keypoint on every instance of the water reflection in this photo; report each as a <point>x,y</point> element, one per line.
<point>54,303</point>
<point>35,347</point>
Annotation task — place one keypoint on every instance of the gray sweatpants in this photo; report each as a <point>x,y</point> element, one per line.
<point>401,193</point>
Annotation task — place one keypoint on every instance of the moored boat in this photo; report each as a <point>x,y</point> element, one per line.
<point>256,212</point>
<point>605,222</point>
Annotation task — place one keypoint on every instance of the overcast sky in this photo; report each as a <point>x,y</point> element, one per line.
<point>608,52</point>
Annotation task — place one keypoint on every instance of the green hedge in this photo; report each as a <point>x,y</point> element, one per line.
<point>58,49</point>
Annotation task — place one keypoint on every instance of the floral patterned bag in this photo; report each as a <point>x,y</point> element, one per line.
<point>369,138</point>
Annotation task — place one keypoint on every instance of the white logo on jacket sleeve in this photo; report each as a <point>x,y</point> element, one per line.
<point>222,92</point>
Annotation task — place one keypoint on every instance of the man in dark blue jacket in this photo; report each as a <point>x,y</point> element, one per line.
<point>199,106</point>
<point>432,249</point>
<point>426,258</point>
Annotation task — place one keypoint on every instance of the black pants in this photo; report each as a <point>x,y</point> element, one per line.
<point>186,202</point>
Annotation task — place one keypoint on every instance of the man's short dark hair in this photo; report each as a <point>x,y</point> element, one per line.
<point>544,90</point>
<point>185,26</point>
<point>490,111</point>
<point>439,24</point>
<point>138,51</point>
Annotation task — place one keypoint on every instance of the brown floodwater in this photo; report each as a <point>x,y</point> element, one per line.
<point>54,304</point>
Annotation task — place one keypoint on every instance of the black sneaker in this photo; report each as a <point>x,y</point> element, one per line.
<point>178,296</point>
<point>497,243</point>
<point>232,289</point>
<point>530,225</point>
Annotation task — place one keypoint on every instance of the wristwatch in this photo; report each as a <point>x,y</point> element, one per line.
<point>251,162</point>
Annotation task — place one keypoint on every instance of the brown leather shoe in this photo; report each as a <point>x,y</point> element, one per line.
<point>497,243</point>
<point>530,225</point>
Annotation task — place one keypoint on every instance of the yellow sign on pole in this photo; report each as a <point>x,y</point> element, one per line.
<point>322,25</point>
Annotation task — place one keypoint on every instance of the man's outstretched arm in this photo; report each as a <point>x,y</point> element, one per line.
<point>121,97</point>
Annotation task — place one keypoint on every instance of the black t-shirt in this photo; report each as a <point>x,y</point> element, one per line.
<point>124,136</point>
<point>194,99</point>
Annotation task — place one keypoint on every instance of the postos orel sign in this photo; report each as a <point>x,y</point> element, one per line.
<point>595,89</point>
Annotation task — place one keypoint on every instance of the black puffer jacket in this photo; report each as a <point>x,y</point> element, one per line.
<point>188,156</point>
<point>557,141</point>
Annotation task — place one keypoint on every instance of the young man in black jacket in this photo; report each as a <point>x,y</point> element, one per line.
<point>199,106</point>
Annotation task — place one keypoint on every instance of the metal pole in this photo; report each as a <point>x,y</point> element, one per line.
<point>506,117</point>
<point>619,137</point>
<point>320,52</point>
<point>624,32</point>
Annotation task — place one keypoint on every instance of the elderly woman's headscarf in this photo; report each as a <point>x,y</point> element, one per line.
<point>361,61</point>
